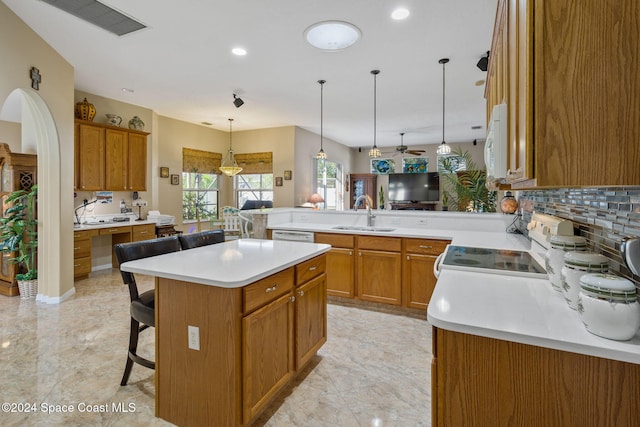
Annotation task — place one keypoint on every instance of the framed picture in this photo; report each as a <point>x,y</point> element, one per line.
<point>175,179</point>
<point>278,181</point>
<point>164,172</point>
<point>415,165</point>
<point>383,166</point>
<point>287,175</point>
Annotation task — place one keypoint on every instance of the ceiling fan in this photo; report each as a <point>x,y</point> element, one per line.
<point>402,149</point>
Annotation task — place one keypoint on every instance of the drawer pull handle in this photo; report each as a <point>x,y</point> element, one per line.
<point>426,246</point>
<point>271,289</point>
<point>143,232</point>
<point>313,268</point>
<point>408,257</point>
<point>76,265</point>
<point>350,253</point>
<point>76,249</point>
<point>300,293</point>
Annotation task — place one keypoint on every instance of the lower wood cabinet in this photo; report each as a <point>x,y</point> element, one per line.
<point>341,261</point>
<point>419,257</point>
<point>479,381</point>
<point>310,319</point>
<point>82,253</point>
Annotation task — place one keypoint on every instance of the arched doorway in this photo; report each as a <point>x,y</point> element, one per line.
<point>39,135</point>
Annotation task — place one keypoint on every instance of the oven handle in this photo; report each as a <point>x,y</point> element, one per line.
<point>436,265</point>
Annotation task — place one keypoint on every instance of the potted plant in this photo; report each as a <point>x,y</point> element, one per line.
<point>465,190</point>
<point>19,237</point>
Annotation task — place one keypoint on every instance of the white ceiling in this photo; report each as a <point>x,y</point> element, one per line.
<point>181,65</point>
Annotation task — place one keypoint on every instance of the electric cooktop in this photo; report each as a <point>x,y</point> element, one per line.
<point>500,261</point>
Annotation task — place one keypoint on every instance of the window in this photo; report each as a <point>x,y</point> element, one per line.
<point>199,196</point>
<point>258,186</point>
<point>329,183</point>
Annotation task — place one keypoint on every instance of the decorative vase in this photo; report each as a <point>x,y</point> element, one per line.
<point>509,204</point>
<point>28,288</point>
<point>136,123</point>
<point>113,119</point>
<point>85,110</point>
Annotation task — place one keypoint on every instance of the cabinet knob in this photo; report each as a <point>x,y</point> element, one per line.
<point>271,289</point>
<point>350,253</point>
<point>300,293</point>
<point>144,232</point>
<point>292,299</point>
<point>359,253</point>
<point>408,257</point>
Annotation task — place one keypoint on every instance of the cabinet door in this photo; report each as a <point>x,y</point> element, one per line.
<point>419,281</point>
<point>311,319</point>
<point>116,162</point>
<point>137,162</point>
<point>379,276</point>
<point>91,158</point>
<point>267,353</point>
<point>341,273</point>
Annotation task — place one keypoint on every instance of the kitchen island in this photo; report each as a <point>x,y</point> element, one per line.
<point>235,322</point>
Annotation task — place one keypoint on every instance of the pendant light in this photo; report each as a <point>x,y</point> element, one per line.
<point>375,151</point>
<point>229,166</point>
<point>321,154</point>
<point>443,149</point>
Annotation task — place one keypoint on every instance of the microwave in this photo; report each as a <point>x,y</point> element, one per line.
<point>495,148</point>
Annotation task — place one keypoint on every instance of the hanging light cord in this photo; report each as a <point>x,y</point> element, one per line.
<point>443,98</point>
<point>322,82</point>
<point>375,103</point>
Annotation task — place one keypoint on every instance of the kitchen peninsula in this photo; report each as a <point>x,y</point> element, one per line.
<point>235,322</point>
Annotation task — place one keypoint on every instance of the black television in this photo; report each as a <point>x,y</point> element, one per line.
<point>414,187</point>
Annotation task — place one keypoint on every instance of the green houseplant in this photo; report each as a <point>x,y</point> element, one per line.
<point>19,233</point>
<point>465,190</point>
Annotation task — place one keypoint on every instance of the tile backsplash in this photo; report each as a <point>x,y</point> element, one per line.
<point>602,215</point>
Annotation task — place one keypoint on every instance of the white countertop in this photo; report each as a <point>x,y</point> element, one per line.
<point>98,225</point>
<point>231,264</point>
<point>518,309</point>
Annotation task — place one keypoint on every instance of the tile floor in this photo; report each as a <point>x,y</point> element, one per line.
<point>373,370</point>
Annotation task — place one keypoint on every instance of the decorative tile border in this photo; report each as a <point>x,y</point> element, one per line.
<point>602,215</point>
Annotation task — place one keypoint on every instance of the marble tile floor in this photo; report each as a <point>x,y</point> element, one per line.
<point>374,369</point>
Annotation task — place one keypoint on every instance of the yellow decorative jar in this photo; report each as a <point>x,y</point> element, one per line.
<point>85,110</point>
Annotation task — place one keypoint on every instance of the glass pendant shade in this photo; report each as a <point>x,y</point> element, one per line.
<point>321,155</point>
<point>229,166</point>
<point>443,149</point>
<point>374,151</point>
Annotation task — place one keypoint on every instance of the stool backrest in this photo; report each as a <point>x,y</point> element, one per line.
<point>203,238</point>
<point>143,249</point>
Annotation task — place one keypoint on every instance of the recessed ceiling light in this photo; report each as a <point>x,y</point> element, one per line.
<point>239,51</point>
<point>332,35</point>
<point>127,90</point>
<point>400,14</point>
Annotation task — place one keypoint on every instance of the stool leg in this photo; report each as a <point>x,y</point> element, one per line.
<point>133,347</point>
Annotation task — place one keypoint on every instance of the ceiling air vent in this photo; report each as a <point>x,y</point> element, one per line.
<point>98,14</point>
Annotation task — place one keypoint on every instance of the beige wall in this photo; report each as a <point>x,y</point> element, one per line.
<point>22,49</point>
<point>11,133</point>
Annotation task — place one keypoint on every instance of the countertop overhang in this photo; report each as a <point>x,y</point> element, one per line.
<point>231,264</point>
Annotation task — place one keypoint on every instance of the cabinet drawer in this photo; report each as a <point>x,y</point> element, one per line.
<point>335,240</point>
<point>81,266</point>
<point>115,230</point>
<point>81,248</point>
<point>389,244</point>
<point>307,270</point>
<point>84,234</point>
<point>268,289</point>
<point>143,232</point>
<point>425,246</point>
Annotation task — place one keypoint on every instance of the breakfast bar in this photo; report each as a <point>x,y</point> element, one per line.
<point>235,323</point>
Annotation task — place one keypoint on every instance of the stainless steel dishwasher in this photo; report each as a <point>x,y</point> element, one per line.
<point>293,235</point>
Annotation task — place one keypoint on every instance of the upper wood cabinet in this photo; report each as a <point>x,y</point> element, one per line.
<point>571,88</point>
<point>110,158</point>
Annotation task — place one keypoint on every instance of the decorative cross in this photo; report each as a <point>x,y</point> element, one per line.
<point>35,78</point>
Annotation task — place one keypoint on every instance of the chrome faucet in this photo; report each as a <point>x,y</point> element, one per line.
<point>367,203</point>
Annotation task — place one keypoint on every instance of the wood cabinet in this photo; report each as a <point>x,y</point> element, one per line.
<point>341,263</point>
<point>360,184</point>
<point>379,266</point>
<point>573,113</point>
<point>310,309</point>
<point>488,382</point>
<point>82,253</point>
<point>418,280</point>
<point>110,158</point>
<point>143,232</point>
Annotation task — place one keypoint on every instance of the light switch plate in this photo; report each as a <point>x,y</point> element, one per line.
<point>194,337</point>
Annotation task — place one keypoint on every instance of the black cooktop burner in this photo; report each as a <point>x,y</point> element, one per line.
<point>519,263</point>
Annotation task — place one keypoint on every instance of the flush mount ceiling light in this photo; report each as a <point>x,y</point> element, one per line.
<point>239,51</point>
<point>229,166</point>
<point>443,149</point>
<point>332,35</point>
<point>400,14</point>
<point>375,151</point>
<point>321,154</point>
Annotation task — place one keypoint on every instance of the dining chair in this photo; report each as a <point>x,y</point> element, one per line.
<point>231,222</point>
<point>203,238</point>
<point>142,306</point>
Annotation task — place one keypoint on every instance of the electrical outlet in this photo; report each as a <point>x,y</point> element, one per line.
<point>422,221</point>
<point>194,337</point>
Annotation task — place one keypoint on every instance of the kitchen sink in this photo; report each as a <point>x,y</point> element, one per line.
<point>361,228</point>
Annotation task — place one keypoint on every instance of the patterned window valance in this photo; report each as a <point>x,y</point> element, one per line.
<point>255,162</point>
<point>200,161</point>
